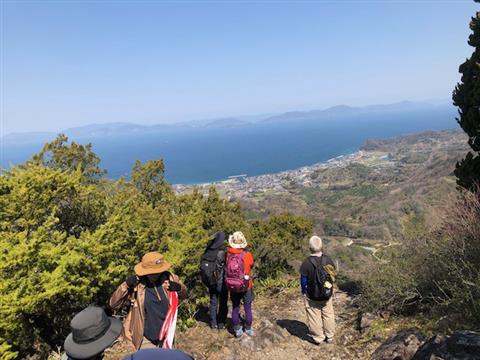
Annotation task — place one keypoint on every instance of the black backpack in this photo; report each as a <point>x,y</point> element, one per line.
<point>316,286</point>
<point>209,268</point>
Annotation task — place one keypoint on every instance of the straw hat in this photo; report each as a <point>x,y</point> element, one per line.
<point>152,263</point>
<point>237,240</point>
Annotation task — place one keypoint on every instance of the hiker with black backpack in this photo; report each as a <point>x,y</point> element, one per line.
<point>212,265</point>
<point>239,281</point>
<point>317,278</point>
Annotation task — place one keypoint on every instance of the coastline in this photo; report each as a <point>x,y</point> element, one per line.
<point>374,153</point>
<point>244,185</point>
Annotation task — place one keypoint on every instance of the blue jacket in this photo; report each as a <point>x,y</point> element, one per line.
<point>304,283</point>
<point>160,354</point>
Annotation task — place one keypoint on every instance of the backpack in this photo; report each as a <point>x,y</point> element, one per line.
<point>235,273</point>
<point>208,268</point>
<point>317,288</point>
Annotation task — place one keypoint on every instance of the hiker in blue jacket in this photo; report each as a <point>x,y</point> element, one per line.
<point>317,275</point>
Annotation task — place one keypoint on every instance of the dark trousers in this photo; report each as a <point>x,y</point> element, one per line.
<point>218,305</point>
<point>247,298</point>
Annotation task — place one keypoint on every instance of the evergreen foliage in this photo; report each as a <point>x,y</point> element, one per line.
<point>467,97</point>
<point>278,241</point>
<point>69,237</point>
<point>58,154</point>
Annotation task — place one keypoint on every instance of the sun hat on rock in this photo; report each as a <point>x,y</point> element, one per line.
<point>92,332</point>
<point>237,240</point>
<point>152,263</point>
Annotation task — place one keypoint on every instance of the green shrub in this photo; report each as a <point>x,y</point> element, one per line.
<point>68,238</point>
<point>437,269</point>
<point>277,242</point>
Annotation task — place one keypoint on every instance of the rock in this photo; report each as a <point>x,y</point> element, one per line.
<point>345,339</point>
<point>366,320</point>
<point>463,345</point>
<point>401,346</point>
<point>268,333</point>
<point>385,314</point>
<point>446,322</point>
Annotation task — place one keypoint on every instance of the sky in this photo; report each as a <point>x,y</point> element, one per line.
<point>72,63</point>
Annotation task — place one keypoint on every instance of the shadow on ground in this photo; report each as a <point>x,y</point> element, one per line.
<point>202,315</point>
<point>351,287</point>
<point>295,328</point>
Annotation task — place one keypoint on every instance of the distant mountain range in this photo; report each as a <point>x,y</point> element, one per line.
<point>345,110</point>
<point>121,128</point>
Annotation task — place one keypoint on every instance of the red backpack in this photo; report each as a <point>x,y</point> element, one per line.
<point>235,273</point>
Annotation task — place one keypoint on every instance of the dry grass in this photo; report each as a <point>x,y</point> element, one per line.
<point>437,268</point>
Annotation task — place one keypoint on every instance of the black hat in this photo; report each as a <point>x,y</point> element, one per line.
<point>92,332</point>
<point>217,240</point>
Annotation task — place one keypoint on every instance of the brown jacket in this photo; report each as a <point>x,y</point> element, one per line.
<point>133,325</point>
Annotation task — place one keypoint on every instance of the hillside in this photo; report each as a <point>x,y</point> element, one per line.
<point>362,195</point>
<point>364,198</point>
<point>281,333</point>
<point>88,229</point>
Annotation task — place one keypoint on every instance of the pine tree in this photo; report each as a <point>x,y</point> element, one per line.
<point>62,155</point>
<point>149,179</point>
<point>467,97</point>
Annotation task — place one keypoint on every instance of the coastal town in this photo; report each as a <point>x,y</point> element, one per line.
<point>389,156</point>
<point>242,186</point>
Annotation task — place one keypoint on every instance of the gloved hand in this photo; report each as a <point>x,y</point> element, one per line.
<point>174,286</point>
<point>132,281</point>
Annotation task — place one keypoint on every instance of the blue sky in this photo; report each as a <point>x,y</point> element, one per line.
<point>70,63</point>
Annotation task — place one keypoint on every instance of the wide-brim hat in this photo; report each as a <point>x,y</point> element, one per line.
<point>152,263</point>
<point>237,240</point>
<point>92,332</point>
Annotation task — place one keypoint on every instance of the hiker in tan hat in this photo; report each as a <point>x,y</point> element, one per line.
<point>153,294</point>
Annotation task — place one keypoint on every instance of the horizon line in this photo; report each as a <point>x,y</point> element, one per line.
<point>238,116</point>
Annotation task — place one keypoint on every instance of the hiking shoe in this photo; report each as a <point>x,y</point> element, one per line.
<point>221,326</point>
<point>315,342</point>
<point>238,332</point>
<point>249,332</point>
<point>213,326</point>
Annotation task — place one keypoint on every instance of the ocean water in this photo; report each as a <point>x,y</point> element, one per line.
<point>211,154</point>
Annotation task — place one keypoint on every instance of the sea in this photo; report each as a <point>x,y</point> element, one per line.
<point>203,154</point>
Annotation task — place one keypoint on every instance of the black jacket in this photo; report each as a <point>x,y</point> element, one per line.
<point>213,252</point>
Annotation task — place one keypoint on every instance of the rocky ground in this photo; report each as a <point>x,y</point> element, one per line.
<point>281,333</point>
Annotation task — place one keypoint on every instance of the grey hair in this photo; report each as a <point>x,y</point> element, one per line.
<point>315,244</point>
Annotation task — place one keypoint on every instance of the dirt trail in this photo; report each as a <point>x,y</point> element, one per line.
<point>281,333</point>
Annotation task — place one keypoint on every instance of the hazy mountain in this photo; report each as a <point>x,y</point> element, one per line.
<point>227,123</point>
<point>122,128</point>
<point>27,137</point>
<point>108,129</point>
<point>345,110</point>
